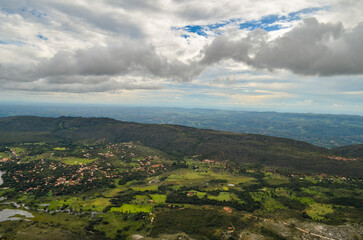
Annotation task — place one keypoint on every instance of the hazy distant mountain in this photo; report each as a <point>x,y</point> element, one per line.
<point>325,130</point>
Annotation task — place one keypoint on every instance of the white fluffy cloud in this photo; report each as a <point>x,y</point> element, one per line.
<point>311,48</point>
<point>104,46</point>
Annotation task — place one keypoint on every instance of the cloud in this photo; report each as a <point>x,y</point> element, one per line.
<point>96,65</point>
<point>136,5</point>
<point>311,48</point>
<point>79,84</point>
<point>106,20</point>
<point>201,11</point>
<point>269,23</point>
<point>101,46</point>
<point>117,58</point>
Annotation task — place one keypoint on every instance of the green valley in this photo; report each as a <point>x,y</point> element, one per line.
<point>104,179</point>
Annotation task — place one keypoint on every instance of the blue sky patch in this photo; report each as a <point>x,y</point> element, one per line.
<point>25,12</point>
<point>271,22</point>
<point>200,30</point>
<point>40,36</point>
<point>36,13</point>
<point>11,42</point>
<point>268,23</point>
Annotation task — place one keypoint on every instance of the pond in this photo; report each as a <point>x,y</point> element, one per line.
<point>12,215</point>
<point>1,179</point>
<point>1,182</point>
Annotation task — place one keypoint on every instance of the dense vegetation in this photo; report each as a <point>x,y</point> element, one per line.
<point>116,191</point>
<point>181,141</point>
<point>352,150</point>
<point>100,178</point>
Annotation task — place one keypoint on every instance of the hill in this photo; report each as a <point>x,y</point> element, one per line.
<point>98,178</point>
<point>181,141</point>
<point>351,150</point>
<point>325,130</point>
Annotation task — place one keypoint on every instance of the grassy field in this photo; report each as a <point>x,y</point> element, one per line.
<point>114,223</point>
<point>275,179</point>
<point>76,161</point>
<point>158,198</point>
<point>78,203</point>
<point>271,205</point>
<point>60,148</point>
<point>223,196</point>
<point>191,177</point>
<point>317,211</point>
<point>131,208</point>
<point>145,188</point>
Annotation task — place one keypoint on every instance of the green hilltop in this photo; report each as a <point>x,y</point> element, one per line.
<point>182,141</point>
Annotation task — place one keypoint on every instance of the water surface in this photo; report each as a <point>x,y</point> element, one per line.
<point>11,215</point>
<point>1,179</point>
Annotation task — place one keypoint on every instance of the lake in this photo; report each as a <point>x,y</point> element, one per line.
<point>9,215</point>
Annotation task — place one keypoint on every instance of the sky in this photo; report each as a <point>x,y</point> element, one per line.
<point>286,56</point>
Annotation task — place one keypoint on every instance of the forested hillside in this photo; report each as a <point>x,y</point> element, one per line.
<point>180,141</point>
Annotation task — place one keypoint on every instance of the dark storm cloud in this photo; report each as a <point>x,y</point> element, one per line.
<point>312,48</point>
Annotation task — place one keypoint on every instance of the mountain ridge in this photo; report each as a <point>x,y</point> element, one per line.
<point>325,130</point>
<point>183,141</point>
